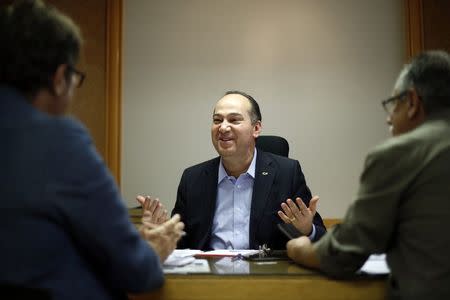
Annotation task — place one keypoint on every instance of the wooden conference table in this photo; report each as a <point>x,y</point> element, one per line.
<point>275,280</point>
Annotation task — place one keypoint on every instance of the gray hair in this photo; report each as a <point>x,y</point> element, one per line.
<point>429,74</point>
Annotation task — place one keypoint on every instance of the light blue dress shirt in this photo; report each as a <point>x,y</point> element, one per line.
<point>231,222</point>
<point>232,215</point>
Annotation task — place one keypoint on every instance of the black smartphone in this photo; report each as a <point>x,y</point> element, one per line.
<point>289,230</point>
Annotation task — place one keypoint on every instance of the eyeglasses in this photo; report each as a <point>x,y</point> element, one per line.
<point>389,103</point>
<point>80,76</point>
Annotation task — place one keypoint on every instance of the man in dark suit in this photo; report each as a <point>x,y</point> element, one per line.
<point>233,201</point>
<point>63,226</point>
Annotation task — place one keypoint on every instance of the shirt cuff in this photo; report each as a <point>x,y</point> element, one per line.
<point>312,236</point>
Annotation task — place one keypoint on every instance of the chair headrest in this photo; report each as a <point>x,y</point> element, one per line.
<point>273,144</point>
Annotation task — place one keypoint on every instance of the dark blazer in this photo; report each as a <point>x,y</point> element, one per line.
<point>276,179</point>
<point>63,225</point>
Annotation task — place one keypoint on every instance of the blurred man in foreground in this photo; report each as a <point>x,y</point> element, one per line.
<point>63,226</point>
<point>403,203</point>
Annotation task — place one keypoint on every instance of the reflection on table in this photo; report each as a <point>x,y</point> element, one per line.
<point>234,278</point>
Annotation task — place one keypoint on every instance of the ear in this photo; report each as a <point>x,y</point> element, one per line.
<point>59,81</point>
<point>415,105</point>
<point>257,127</point>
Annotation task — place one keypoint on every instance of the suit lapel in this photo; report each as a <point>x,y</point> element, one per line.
<point>264,176</point>
<point>210,174</point>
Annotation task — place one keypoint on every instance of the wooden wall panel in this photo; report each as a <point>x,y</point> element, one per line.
<point>427,25</point>
<point>436,24</point>
<point>114,86</point>
<point>98,102</point>
<point>414,28</point>
<point>89,104</point>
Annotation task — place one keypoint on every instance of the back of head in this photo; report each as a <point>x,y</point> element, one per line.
<point>35,39</point>
<point>429,74</point>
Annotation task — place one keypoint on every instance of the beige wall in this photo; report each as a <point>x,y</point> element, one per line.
<point>317,68</point>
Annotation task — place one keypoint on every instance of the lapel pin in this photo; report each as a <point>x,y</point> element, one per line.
<point>265,173</point>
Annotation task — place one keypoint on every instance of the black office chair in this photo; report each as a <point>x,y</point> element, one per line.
<point>273,144</point>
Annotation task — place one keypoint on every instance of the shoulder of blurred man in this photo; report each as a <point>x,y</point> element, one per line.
<point>431,134</point>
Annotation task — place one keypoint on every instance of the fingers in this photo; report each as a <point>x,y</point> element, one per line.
<point>147,216</point>
<point>176,227</point>
<point>164,237</point>
<point>141,200</point>
<point>294,208</point>
<point>291,212</point>
<point>286,209</point>
<point>151,204</point>
<point>305,210</point>
<point>179,226</point>
<point>147,202</point>
<point>172,223</point>
<point>165,216</point>
<point>179,232</point>
<point>149,231</point>
<point>283,217</point>
<point>298,209</point>
<point>172,230</point>
<point>160,214</point>
<point>153,209</point>
<point>144,201</point>
<point>302,206</point>
<point>313,204</point>
<point>175,219</point>
<point>149,225</point>
<point>157,213</point>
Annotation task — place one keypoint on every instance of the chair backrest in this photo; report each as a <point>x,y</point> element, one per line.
<point>273,144</point>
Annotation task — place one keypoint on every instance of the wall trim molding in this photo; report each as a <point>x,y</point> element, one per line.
<point>113,87</point>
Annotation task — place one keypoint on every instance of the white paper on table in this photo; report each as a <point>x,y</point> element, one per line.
<point>376,265</point>
<point>234,252</point>
<point>197,266</point>
<point>181,257</point>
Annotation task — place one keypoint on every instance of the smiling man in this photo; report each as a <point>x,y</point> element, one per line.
<point>232,200</point>
<point>403,203</point>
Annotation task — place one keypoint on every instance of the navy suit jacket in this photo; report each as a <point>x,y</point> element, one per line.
<point>63,225</point>
<point>276,179</point>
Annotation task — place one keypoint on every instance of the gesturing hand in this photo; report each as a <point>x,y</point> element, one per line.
<point>299,214</point>
<point>164,237</point>
<point>152,210</point>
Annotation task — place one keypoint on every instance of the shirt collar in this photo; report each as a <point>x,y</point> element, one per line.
<point>250,171</point>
